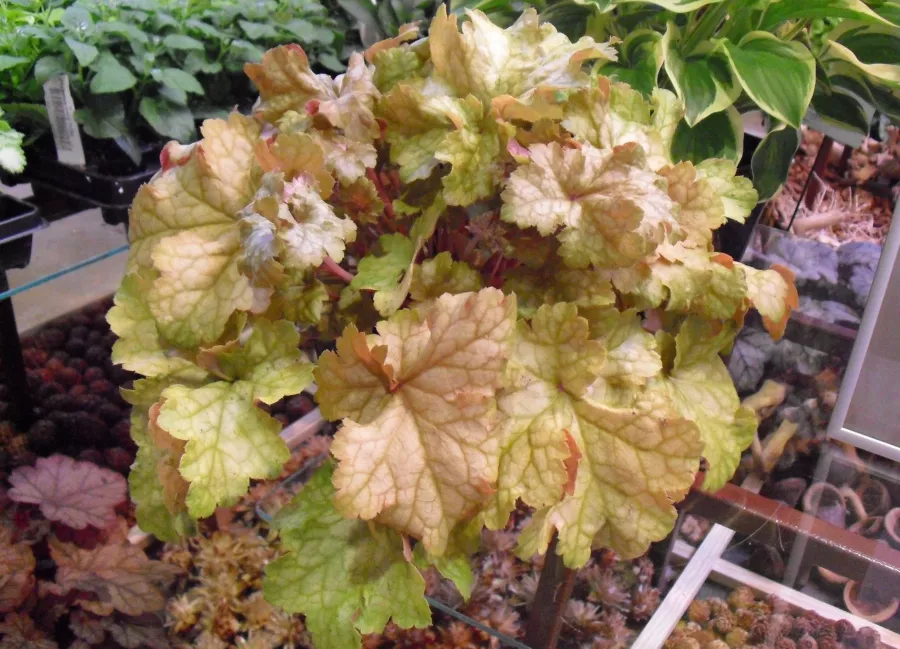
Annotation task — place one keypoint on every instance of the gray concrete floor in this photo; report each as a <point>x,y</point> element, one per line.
<point>61,245</point>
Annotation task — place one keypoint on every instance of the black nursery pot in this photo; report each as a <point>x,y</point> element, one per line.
<point>17,218</point>
<point>733,237</point>
<point>110,178</point>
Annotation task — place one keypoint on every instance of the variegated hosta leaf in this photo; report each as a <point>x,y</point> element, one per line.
<point>631,464</point>
<point>286,82</point>
<point>609,208</point>
<point>608,114</point>
<point>345,576</point>
<point>703,392</point>
<point>418,447</point>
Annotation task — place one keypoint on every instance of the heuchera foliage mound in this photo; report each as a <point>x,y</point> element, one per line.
<point>532,312</point>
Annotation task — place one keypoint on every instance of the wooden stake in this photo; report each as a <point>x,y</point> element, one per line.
<point>553,593</point>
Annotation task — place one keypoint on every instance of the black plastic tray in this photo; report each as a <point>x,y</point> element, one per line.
<point>17,218</point>
<point>56,203</point>
<point>94,182</point>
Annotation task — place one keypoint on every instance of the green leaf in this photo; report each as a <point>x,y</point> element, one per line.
<point>678,6</point>
<point>841,109</point>
<point>229,441</point>
<point>110,76</point>
<point>718,136</point>
<point>127,30</point>
<point>246,51</point>
<point>784,10</point>
<point>182,42</point>
<point>162,20</point>
<point>48,67</point>
<point>84,52</point>
<point>877,72</point>
<point>331,62</point>
<point>772,160</point>
<point>206,29</point>
<point>345,576</point>
<point>196,62</point>
<point>103,119</point>
<point>175,95</point>
<point>383,274</point>
<point>268,366</point>
<point>367,22</point>
<point>168,119</point>
<point>77,19</point>
<point>258,31</point>
<point>780,77</point>
<point>642,55</point>
<point>178,79</point>
<point>306,32</point>
<point>7,61</point>
<point>703,82</point>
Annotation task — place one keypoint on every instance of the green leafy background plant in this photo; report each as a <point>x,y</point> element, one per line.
<point>144,70</point>
<point>725,57</point>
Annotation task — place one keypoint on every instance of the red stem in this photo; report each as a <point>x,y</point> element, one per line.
<point>496,268</point>
<point>331,266</point>
<point>382,194</point>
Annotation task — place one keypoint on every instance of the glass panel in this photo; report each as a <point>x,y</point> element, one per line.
<point>74,261</point>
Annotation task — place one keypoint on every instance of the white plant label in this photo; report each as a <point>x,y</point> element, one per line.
<point>61,112</point>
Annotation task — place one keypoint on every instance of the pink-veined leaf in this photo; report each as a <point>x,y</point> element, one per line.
<point>74,493</point>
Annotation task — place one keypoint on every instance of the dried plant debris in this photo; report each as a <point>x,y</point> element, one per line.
<point>747,621</point>
<point>218,602</point>
<point>840,208</point>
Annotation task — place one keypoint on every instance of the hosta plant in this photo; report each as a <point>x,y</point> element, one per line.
<point>522,289</point>
<point>725,57</point>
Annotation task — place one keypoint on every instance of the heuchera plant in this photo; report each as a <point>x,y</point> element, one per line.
<point>528,309</point>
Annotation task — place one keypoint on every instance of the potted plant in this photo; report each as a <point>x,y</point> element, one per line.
<point>522,292</point>
<point>138,73</point>
<point>725,58</point>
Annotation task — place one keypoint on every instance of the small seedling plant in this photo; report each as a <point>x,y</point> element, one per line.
<point>143,70</point>
<point>522,293</point>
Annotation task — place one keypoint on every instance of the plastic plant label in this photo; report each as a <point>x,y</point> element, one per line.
<point>61,112</point>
